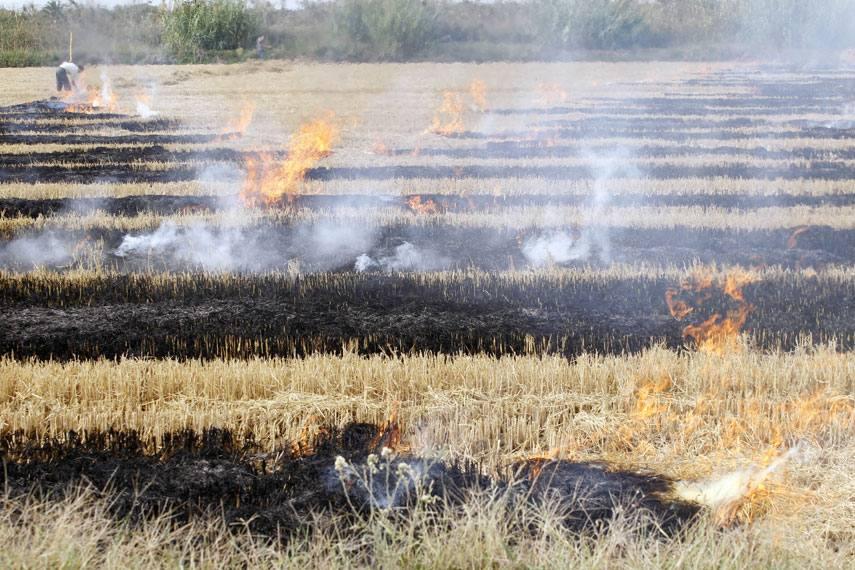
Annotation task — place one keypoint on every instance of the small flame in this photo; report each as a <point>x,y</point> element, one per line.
<point>793,240</point>
<point>448,119</point>
<point>238,126</point>
<point>729,494</point>
<point>266,182</point>
<point>92,100</point>
<point>143,104</point>
<point>551,94</point>
<point>478,92</point>
<point>418,206</point>
<point>381,149</point>
<point>717,334</point>
<point>389,435</point>
<point>647,402</point>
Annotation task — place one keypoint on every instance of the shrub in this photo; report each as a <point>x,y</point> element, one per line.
<point>195,27</point>
<point>385,29</point>
<point>593,24</point>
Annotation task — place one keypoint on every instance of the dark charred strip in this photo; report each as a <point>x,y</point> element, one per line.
<point>76,139</point>
<point>544,149</point>
<point>605,108</point>
<point>126,125</point>
<point>96,156</point>
<point>118,173</point>
<point>654,124</point>
<point>818,170</point>
<point>266,316</point>
<point>676,135</point>
<point>210,474</point>
<point>169,204</point>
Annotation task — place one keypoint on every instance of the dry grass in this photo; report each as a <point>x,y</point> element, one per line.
<point>684,414</point>
<point>687,415</point>
<point>78,532</point>
<point>684,411</point>
<point>515,218</point>
<point>713,186</point>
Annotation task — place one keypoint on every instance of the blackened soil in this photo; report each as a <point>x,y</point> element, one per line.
<point>816,170</point>
<point>99,155</point>
<point>169,204</point>
<point>274,494</point>
<point>79,139</point>
<point>542,149</point>
<point>86,122</point>
<point>401,314</point>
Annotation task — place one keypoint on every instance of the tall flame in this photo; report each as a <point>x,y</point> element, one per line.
<point>267,182</point>
<point>718,333</point>
<point>448,119</point>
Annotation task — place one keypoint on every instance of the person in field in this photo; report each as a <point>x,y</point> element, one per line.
<point>259,47</point>
<point>66,76</point>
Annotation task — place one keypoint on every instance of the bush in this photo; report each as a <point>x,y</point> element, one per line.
<point>385,29</point>
<point>195,27</point>
<point>593,24</point>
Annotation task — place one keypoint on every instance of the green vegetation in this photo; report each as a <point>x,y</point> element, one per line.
<point>394,30</point>
<point>197,28</point>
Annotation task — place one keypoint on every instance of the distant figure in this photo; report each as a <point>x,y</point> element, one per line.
<point>259,47</point>
<point>66,76</point>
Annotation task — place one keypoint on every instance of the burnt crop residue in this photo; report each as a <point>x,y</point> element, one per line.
<point>345,472</point>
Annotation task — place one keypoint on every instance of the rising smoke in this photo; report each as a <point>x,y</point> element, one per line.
<point>45,249</point>
<point>593,242</point>
<point>405,257</point>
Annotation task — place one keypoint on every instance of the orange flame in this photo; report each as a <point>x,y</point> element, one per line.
<point>551,94</point>
<point>380,148</point>
<point>448,119</point>
<point>92,100</point>
<point>647,403</point>
<point>793,240</point>
<point>267,183</point>
<point>717,334</point>
<point>427,207</point>
<point>478,92</point>
<point>238,126</point>
<point>389,434</point>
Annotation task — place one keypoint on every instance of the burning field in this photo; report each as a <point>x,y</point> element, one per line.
<point>601,314</point>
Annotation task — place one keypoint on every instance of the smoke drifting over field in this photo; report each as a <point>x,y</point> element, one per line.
<point>46,249</point>
<point>592,242</point>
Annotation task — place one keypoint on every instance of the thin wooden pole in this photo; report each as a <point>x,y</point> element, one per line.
<point>70,46</point>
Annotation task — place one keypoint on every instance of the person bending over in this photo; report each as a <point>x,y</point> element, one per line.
<point>66,76</point>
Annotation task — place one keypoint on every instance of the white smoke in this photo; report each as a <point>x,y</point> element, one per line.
<point>725,492</point>
<point>106,88</point>
<point>594,241</point>
<point>318,246</point>
<point>406,257</point>
<point>846,119</point>
<point>549,248</point>
<point>143,110</point>
<point>364,263</point>
<point>199,246</point>
<point>45,249</point>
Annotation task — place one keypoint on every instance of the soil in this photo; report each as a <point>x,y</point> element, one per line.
<point>205,475</point>
<point>169,204</point>
<point>397,313</point>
